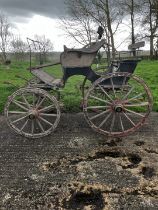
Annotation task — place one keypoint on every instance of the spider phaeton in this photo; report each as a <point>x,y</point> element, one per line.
<point>115,104</point>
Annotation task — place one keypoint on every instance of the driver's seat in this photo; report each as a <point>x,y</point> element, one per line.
<point>72,58</point>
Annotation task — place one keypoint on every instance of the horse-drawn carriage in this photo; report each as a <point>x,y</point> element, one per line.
<point>115,104</point>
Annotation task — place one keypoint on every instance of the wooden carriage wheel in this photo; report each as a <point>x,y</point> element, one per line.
<point>32,113</point>
<point>117,104</point>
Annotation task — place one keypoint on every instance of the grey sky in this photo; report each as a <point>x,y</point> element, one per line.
<point>18,9</point>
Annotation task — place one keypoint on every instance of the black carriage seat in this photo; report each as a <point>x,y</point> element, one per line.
<point>123,66</point>
<point>92,48</point>
<point>127,66</point>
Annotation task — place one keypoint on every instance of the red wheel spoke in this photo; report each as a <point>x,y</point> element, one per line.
<point>16,112</point>
<point>100,114</point>
<point>17,120</point>
<point>97,107</point>
<point>32,126</point>
<point>105,120</point>
<point>133,112</point>
<point>122,127</point>
<point>131,121</point>
<point>33,99</point>
<point>46,109</point>
<point>41,102</point>
<point>40,125</point>
<point>19,105</point>
<point>24,125</point>
<point>49,115</point>
<point>26,102</point>
<point>137,105</point>
<point>113,122</point>
<point>38,101</point>
<point>136,97</point>
<point>105,92</point>
<point>130,91</point>
<point>46,121</point>
<point>99,99</point>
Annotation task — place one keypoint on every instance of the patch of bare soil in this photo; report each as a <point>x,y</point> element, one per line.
<point>76,168</point>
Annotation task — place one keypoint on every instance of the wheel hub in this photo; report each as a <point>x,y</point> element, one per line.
<point>118,108</point>
<point>33,114</point>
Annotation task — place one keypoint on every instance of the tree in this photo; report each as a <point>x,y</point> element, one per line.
<point>80,28</point>
<point>45,46</point>
<point>79,24</point>
<point>100,12</point>
<point>5,34</point>
<point>19,48</point>
<point>150,22</point>
<point>132,8</point>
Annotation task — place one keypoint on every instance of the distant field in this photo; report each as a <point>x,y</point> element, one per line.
<point>71,95</point>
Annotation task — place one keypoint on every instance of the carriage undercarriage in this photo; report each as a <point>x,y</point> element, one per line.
<point>115,104</point>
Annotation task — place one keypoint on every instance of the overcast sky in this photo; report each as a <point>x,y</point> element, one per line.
<point>36,17</point>
<point>27,8</point>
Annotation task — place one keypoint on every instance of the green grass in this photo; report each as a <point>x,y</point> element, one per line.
<point>8,74</point>
<point>70,95</point>
<point>148,71</point>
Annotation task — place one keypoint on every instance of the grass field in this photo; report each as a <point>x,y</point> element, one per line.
<point>70,95</point>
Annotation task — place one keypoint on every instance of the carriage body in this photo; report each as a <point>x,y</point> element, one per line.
<point>108,104</point>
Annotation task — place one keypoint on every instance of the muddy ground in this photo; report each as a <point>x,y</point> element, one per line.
<point>76,168</point>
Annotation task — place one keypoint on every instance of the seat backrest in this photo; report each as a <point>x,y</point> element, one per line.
<point>94,47</point>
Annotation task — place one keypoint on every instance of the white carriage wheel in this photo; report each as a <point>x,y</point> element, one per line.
<point>32,113</point>
<point>117,104</point>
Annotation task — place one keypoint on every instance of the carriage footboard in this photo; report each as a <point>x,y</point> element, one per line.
<point>46,78</point>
